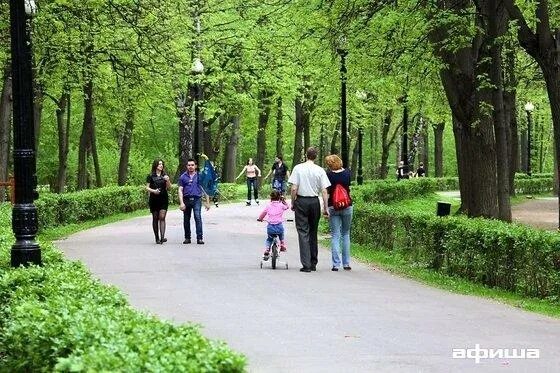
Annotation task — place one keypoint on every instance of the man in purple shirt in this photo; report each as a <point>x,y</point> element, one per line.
<point>190,201</point>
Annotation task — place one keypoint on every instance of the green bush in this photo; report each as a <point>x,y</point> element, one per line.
<point>58,318</point>
<point>491,252</point>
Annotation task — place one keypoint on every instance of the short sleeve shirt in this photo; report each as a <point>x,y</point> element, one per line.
<point>279,172</point>
<point>157,182</point>
<point>190,185</point>
<point>310,179</point>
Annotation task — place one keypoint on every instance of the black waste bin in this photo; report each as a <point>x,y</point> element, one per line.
<point>443,209</point>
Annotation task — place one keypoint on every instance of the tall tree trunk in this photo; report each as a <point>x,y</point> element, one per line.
<point>264,114</point>
<point>354,163</point>
<point>298,133</point>
<point>424,150</point>
<point>510,111</point>
<point>126,144</point>
<point>387,140</point>
<point>38,93</point>
<point>63,126</point>
<point>230,156</point>
<point>523,150</point>
<point>85,143</point>
<point>438,148</point>
<point>279,128</point>
<point>183,106</point>
<point>334,140</point>
<point>5,126</point>
<point>473,129</point>
<point>495,24</point>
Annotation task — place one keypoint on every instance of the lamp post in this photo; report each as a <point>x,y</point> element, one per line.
<point>404,148</point>
<point>25,250</point>
<point>343,52</point>
<point>360,179</point>
<point>197,69</point>
<point>529,107</point>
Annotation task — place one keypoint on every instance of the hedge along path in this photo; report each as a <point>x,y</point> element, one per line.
<point>362,320</point>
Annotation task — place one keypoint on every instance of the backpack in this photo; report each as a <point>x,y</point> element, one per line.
<point>340,198</point>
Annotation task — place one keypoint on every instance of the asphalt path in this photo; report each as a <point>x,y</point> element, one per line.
<point>363,320</point>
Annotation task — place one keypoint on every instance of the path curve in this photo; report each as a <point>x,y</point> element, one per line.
<point>364,320</point>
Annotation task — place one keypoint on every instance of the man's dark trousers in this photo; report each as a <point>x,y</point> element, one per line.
<point>307,213</point>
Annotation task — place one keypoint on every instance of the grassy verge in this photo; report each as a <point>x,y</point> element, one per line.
<point>397,265</point>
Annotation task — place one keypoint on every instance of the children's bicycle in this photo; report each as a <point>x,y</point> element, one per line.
<point>274,255</point>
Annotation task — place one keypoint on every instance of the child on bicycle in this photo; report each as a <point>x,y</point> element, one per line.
<point>275,211</point>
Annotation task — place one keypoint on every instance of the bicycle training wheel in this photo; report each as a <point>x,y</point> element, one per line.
<point>273,254</point>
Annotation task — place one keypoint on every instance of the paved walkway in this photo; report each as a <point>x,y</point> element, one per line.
<point>365,320</point>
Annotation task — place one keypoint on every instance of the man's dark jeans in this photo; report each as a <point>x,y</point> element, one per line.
<point>193,204</point>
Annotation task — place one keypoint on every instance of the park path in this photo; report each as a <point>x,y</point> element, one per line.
<point>364,320</point>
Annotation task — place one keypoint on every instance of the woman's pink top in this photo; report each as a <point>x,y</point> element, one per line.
<point>275,211</point>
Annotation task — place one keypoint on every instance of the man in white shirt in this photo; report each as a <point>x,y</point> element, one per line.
<point>308,181</point>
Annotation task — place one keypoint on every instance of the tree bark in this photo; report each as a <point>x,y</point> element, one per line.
<point>438,148</point>
<point>264,115</point>
<point>230,156</point>
<point>298,133</point>
<point>5,126</point>
<point>510,111</point>
<point>85,143</point>
<point>63,126</point>
<point>495,24</point>
<point>473,127</point>
<point>279,127</point>
<point>183,106</point>
<point>126,144</point>
<point>386,142</point>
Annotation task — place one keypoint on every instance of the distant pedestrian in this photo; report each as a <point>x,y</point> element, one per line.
<point>421,172</point>
<point>402,172</point>
<point>308,182</point>
<point>340,221</point>
<point>280,173</point>
<point>157,184</point>
<point>251,172</point>
<point>275,212</point>
<point>191,194</point>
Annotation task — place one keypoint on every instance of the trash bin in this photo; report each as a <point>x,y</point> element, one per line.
<point>443,209</point>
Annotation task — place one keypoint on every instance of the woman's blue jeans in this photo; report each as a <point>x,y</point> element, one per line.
<point>340,223</point>
<point>252,182</point>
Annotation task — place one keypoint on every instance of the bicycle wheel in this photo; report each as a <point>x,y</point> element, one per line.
<point>273,254</point>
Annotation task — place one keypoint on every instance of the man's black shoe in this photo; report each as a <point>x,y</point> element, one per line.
<point>305,269</point>
<point>313,268</point>
<point>200,242</point>
<point>187,240</point>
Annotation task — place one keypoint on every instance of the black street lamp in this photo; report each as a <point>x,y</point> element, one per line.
<point>197,69</point>
<point>404,148</point>
<point>342,52</point>
<point>529,107</point>
<point>25,250</point>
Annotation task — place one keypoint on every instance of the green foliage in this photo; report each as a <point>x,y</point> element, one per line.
<point>58,318</point>
<point>507,256</point>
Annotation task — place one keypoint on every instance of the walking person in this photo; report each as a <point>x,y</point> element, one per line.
<point>340,220</point>
<point>308,182</point>
<point>280,173</point>
<point>157,184</point>
<point>191,194</point>
<point>251,171</point>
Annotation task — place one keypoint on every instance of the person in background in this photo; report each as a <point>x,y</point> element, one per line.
<point>191,194</point>
<point>308,181</point>
<point>280,173</point>
<point>421,172</point>
<point>275,212</point>
<point>401,174</point>
<point>251,172</point>
<point>157,184</point>
<point>340,221</point>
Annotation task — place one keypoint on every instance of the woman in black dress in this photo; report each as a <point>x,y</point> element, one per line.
<point>157,184</point>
